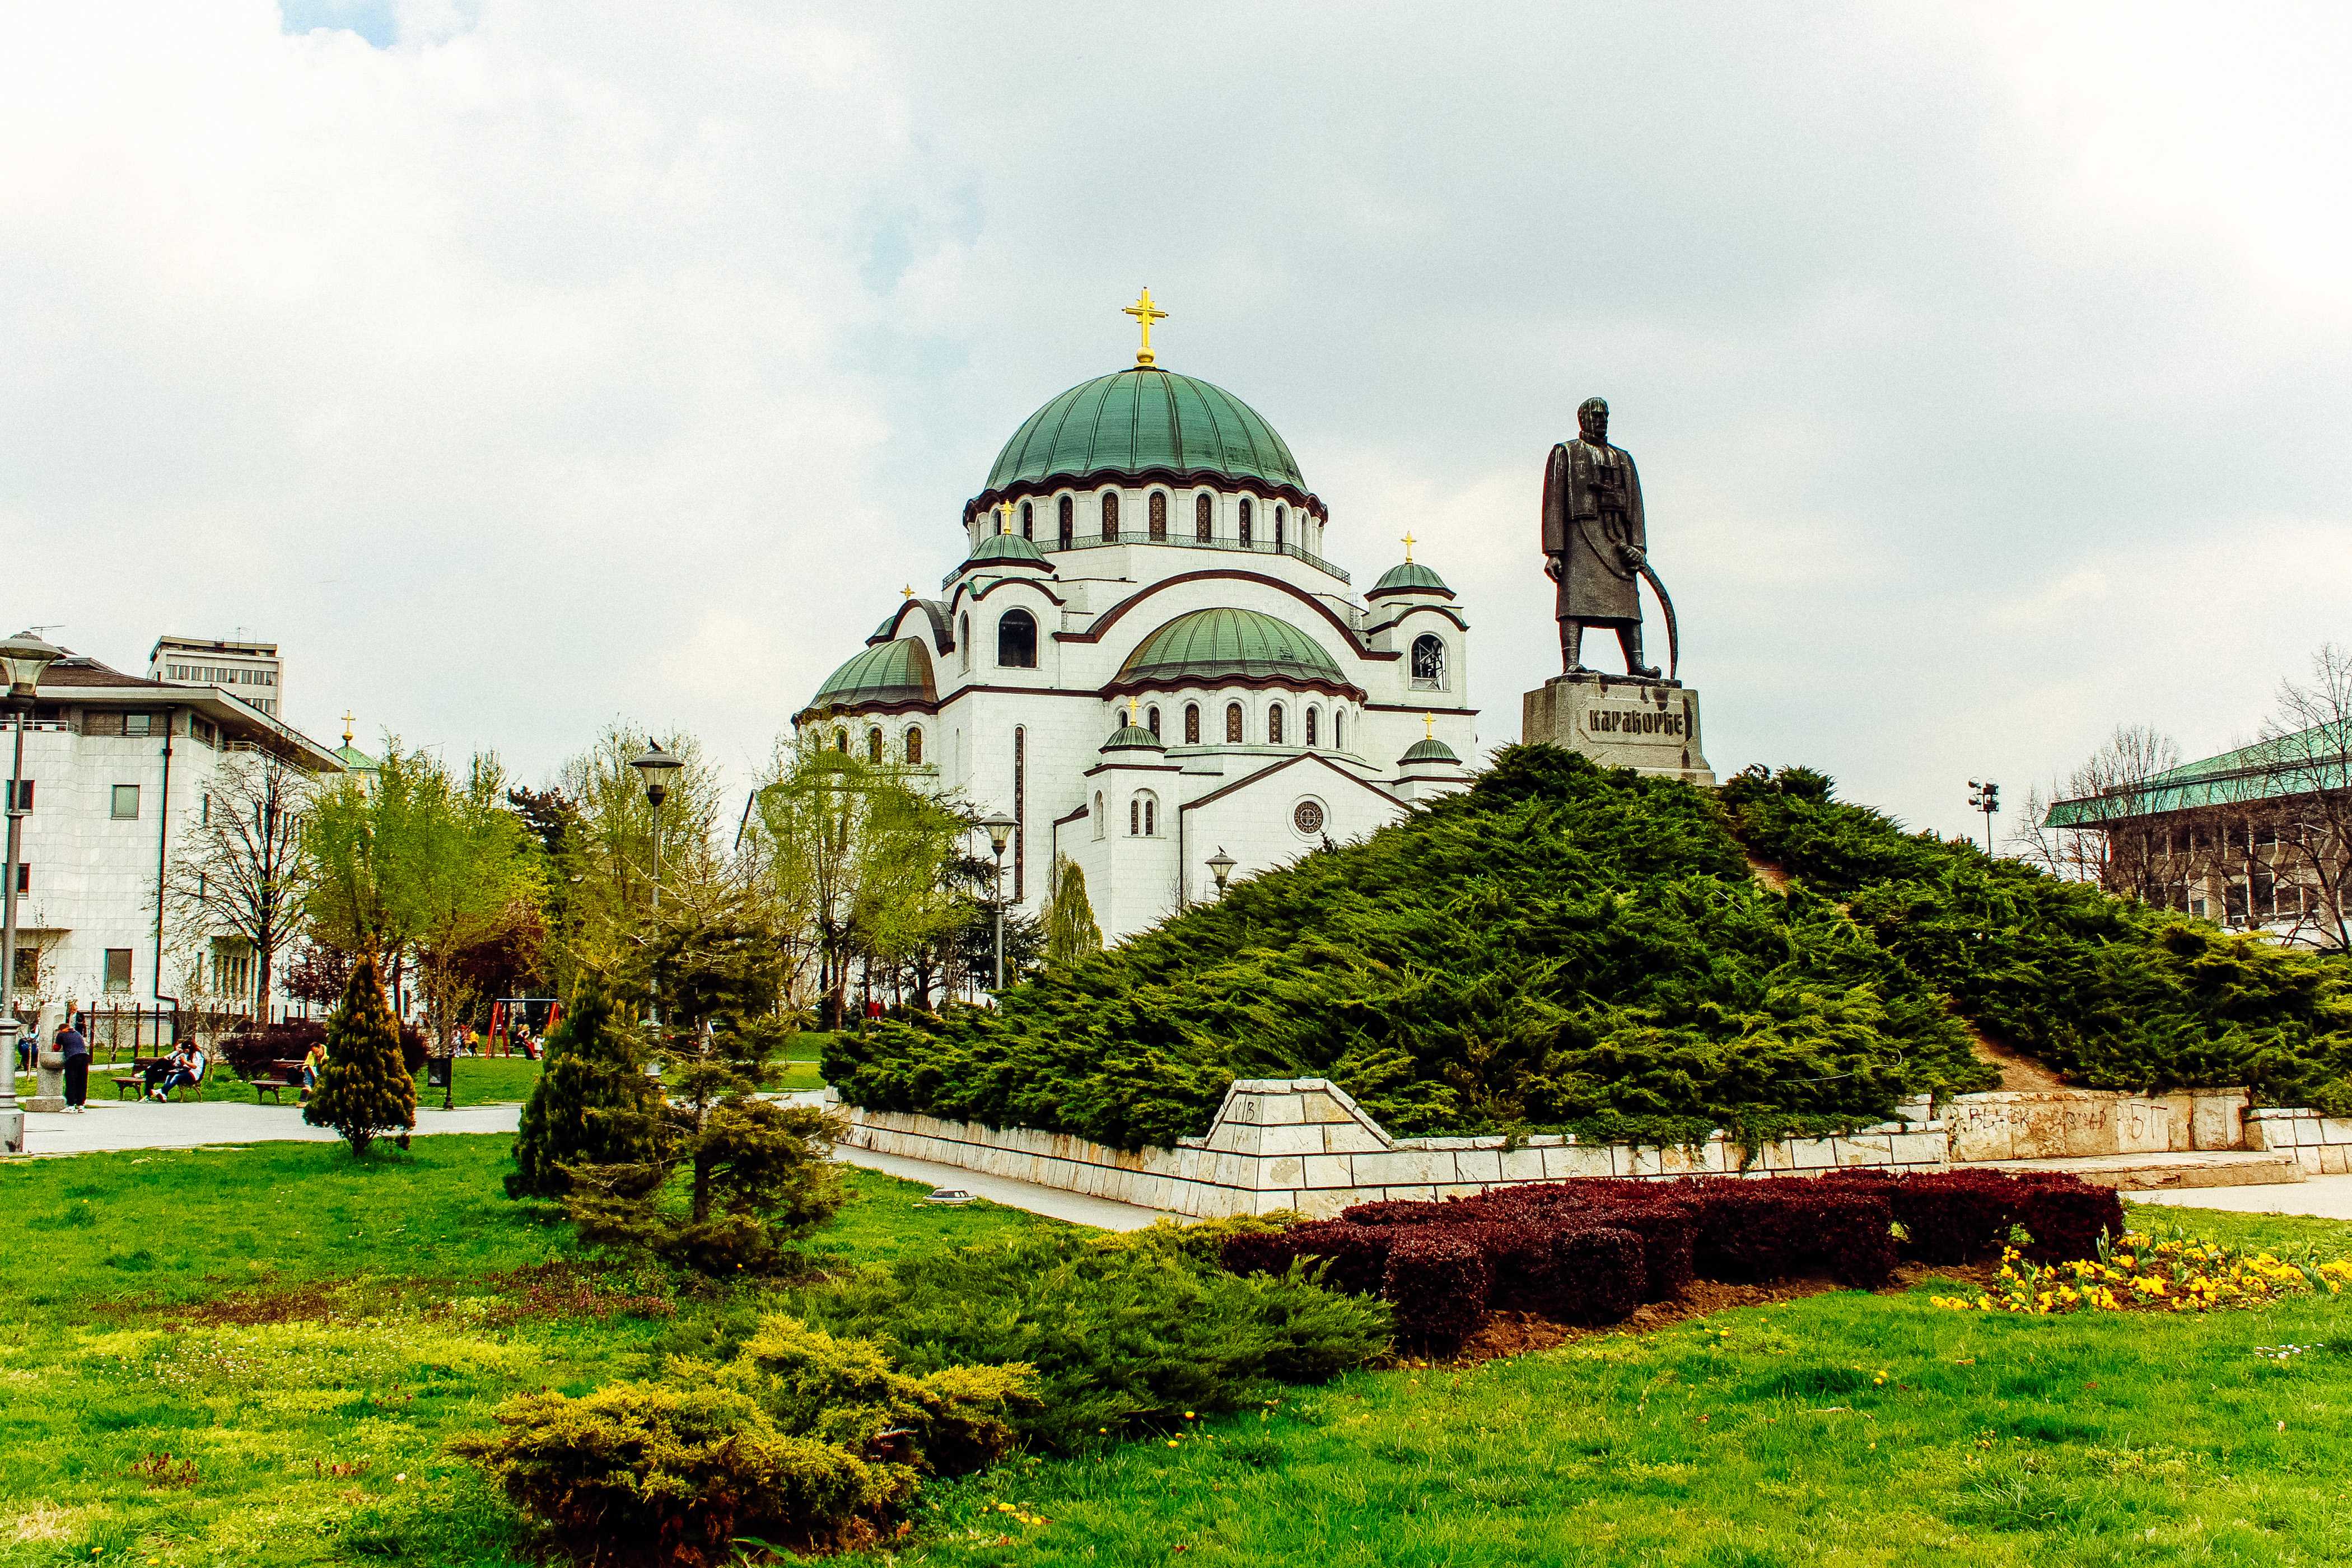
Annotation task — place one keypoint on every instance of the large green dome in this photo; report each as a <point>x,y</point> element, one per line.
<point>898,672</point>
<point>1140,419</point>
<point>1225,643</point>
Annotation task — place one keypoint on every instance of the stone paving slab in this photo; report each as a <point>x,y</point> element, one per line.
<point>2149,1173</point>
<point>2323,1197</point>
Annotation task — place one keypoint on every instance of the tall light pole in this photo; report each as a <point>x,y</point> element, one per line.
<point>1985,797</point>
<point>655,766</point>
<point>23,657</point>
<point>1000,833</point>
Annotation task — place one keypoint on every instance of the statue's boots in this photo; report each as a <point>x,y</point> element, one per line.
<point>1572,646</point>
<point>1630,639</point>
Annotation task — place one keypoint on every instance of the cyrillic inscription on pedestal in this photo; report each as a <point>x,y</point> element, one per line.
<point>1650,726</point>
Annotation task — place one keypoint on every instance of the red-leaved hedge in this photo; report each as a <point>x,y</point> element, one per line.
<point>1593,1250</point>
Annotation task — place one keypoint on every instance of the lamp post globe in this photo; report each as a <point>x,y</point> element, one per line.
<point>655,766</point>
<point>22,661</point>
<point>999,828</point>
<point>1221,866</point>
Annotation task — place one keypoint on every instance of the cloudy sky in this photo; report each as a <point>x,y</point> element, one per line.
<point>520,366</point>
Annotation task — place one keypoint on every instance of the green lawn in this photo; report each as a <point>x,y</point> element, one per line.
<point>479,1080</point>
<point>307,1331</point>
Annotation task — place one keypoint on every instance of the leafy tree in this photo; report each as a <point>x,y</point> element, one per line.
<point>591,1103</point>
<point>1071,932</point>
<point>365,1090</point>
<point>725,1179</point>
<point>608,841</point>
<point>239,869</point>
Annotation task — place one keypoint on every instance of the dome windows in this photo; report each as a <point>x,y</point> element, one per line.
<point>1234,723</point>
<point>1247,512</point>
<point>1428,662</point>
<point>1151,722</point>
<point>1314,722</point>
<point>1016,640</point>
<point>1068,509</point>
<point>1204,517</point>
<point>1143,814</point>
<point>1281,525</point>
<point>1028,520</point>
<point>1192,723</point>
<point>1110,516</point>
<point>1338,729</point>
<point>1158,517</point>
<point>1274,724</point>
<point>874,744</point>
<point>1100,823</point>
<point>915,745</point>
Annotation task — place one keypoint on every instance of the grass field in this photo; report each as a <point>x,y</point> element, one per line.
<point>305,1333</point>
<point>479,1080</point>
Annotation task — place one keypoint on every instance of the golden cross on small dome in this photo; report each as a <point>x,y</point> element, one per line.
<point>1131,708</point>
<point>909,590</point>
<point>347,726</point>
<point>1408,546</point>
<point>1429,726</point>
<point>1145,313</point>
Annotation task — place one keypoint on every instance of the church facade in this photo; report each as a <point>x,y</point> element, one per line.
<point>1146,658</point>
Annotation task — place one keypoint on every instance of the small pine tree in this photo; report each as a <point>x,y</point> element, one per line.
<point>591,1103</point>
<point>1071,932</point>
<point>365,1089</point>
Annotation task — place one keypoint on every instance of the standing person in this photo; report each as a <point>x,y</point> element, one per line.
<point>75,1050</point>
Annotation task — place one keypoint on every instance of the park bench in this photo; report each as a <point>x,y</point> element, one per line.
<point>274,1079</point>
<point>134,1083</point>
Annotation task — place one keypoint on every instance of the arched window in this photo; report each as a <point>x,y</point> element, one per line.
<point>1314,722</point>
<point>1069,511</point>
<point>963,640</point>
<point>1245,522</point>
<point>915,745</point>
<point>1151,722</point>
<point>1142,814</point>
<point>1203,518</point>
<point>1110,514</point>
<point>1192,723</point>
<point>1274,725</point>
<point>1281,525</point>
<point>1234,721</point>
<point>1016,640</point>
<point>841,742</point>
<point>1429,662</point>
<point>1028,520</point>
<point>1099,828</point>
<point>1338,729</point>
<point>1158,517</point>
<point>874,744</point>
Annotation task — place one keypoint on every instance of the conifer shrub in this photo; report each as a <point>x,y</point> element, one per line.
<point>2112,993</point>
<point>1560,946</point>
<point>365,1090</point>
<point>800,1440</point>
<point>591,1104</point>
<point>1439,1283</point>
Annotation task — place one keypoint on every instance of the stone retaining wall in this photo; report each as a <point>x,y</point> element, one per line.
<point>1304,1143</point>
<point>2321,1144</point>
<point>2071,1124</point>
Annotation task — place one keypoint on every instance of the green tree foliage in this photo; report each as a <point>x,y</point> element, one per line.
<point>591,1103</point>
<point>723,1179</point>
<point>1560,945</point>
<point>2111,993</point>
<point>1071,932</point>
<point>801,1441</point>
<point>365,1090</point>
<point>609,840</point>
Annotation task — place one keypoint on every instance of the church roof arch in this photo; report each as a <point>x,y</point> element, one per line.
<point>1353,641</point>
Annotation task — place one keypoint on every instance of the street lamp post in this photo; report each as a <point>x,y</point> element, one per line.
<point>1000,833</point>
<point>1985,797</point>
<point>23,657</point>
<point>1221,866</point>
<point>655,766</point>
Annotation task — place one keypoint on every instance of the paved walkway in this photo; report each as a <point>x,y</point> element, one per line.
<point>2328,1197</point>
<point>193,1124</point>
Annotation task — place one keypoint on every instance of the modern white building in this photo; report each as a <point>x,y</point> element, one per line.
<point>117,771</point>
<point>1145,656</point>
<point>249,671</point>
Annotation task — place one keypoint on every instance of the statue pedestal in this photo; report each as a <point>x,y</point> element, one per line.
<point>1650,726</point>
<point>51,1067</point>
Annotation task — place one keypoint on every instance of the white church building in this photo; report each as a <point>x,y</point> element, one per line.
<point>1145,656</point>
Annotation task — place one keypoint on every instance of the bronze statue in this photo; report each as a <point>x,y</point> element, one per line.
<point>1595,544</point>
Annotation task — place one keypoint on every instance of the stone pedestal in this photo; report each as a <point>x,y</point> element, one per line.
<point>1650,726</point>
<point>51,1067</point>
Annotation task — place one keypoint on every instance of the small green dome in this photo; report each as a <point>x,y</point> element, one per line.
<point>898,672</point>
<point>1215,644</point>
<point>1430,750</point>
<point>1133,738</point>
<point>1142,418</point>
<point>1410,577</point>
<point>1010,549</point>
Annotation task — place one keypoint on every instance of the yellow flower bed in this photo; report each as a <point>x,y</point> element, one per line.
<point>2137,1271</point>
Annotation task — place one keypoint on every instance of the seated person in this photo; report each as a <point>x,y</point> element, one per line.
<point>313,1063</point>
<point>184,1066</point>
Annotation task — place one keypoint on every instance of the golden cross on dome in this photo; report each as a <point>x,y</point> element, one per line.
<point>909,590</point>
<point>1145,313</point>
<point>1131,708</point>
<point>347,726</point>
<point>1429,726</point>
<point>1006,526</point>
<point>1408,546</point>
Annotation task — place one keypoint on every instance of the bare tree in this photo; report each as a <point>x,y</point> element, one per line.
<point>2307,754</point>
<point>240,868</point>
<point>2105,837</point>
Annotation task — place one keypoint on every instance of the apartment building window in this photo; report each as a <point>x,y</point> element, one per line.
<point>138,723</point>
<point>126,802</point>
<point>24,876</point>
<point>19,793</point>
<point>118,971</point>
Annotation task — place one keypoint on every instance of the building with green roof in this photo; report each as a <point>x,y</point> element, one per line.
<point>1144,652</point>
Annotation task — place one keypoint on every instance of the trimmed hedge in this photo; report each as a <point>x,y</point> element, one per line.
<point>1438,1283</point>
